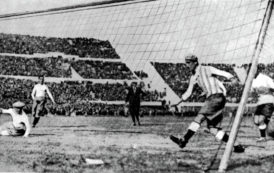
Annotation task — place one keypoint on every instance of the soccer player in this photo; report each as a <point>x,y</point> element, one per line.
<point>39,100</point>
<point>20,125</point>
<point>263,85</point>
<point>205,77</point>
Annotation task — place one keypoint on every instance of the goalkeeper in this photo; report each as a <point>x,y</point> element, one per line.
<point>205,77</point>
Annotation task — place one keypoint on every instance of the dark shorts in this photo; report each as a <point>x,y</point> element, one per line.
<point>212,110</point>
<point>213,104</point>
<point>265,109</point>
<point>38,107</point>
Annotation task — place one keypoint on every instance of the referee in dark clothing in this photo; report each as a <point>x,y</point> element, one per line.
<point>133,100</point>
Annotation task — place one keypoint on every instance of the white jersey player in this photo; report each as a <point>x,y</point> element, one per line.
<point>263,85</point>
<point>20,125</point>
<point>39,100</point>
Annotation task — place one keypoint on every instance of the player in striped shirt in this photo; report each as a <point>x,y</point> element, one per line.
<point>205,77</point>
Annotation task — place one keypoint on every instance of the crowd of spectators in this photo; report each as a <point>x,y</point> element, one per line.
<point>82,47</point>
<point>172,73</point>
<point>74,97</point>
<point>21,66</point>
<point>69,95</point>
<point>102,69</point>
<point>141,74</point>
<point>61,67</point>
<point>267,69</point>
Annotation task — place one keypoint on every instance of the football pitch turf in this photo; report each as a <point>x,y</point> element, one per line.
<point>62,144</point>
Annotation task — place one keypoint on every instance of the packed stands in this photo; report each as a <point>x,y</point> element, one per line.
<point>102,69</point>
<point>21,66</point>
<point>68,93</point>
<point>79,96</point>
<point>82,47</point>
<point>141,74</point>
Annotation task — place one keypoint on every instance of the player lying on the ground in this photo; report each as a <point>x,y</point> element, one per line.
<point>19,126</point>
<point>264,86</point>
<point>205,77</point>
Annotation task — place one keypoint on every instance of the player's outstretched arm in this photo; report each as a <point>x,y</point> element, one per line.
<point>188,92</point>
<point>33,93</point>
<point>4,111</point>
<point>50,96</point>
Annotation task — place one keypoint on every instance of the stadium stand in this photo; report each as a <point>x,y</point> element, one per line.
<point>82,47</point>
<point>102,70</point>
<point>75,96</point>
<point>20,66</point>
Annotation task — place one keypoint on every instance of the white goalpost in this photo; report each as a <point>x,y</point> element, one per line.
<point>235,127</point>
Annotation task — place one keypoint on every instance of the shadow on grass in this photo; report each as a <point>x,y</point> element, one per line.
<point>111,131</point>
<point>69,126</point>
<point>244,163</point>
<point>256,146</point>
<point>152,124</point>
<point>248,136</point>
<point>37,135</point>
<point>257,163</point>
<point>186,151</point>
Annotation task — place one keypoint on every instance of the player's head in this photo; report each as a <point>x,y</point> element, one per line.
<point>18,106</point>
<point>41,79</point>
<point>191,61</point>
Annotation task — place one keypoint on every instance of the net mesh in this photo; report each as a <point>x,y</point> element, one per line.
<point>162,30</point>
<point>146,33</point>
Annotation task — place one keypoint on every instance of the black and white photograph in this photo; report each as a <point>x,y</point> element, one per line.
<point>137,86</point>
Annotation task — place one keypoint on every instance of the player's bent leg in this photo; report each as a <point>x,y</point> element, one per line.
<point>214,121</point>
<point>179,141</point>
<point>192,129</point>
<point>259,120</point>
<point>221,135</point>
<point>34,108</point>
<point>35,121</point>
<point>256,120</point>
<point>270,127</point>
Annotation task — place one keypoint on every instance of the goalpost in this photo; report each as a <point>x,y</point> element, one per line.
<point>240,110</point>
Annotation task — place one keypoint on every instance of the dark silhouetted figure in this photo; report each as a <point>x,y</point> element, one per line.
<point>133,100</point>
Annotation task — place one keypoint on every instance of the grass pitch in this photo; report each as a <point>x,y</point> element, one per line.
<point>61,144</point>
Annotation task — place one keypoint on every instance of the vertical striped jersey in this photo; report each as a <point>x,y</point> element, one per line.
<point>205,77</point>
